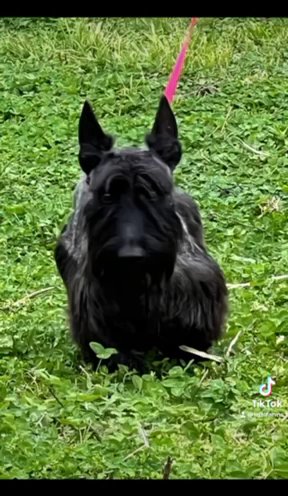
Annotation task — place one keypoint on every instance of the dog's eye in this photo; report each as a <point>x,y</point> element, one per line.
<point>148,194</point>
<point>106,198</point>
<point>152,196</point>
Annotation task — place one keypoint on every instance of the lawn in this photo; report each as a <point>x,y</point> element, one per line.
<point>57,419</point>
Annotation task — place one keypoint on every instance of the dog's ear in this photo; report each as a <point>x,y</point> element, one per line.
<point>163,139</point>
<point>93,141</point>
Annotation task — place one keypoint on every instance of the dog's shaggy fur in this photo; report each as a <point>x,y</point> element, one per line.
<point>133,257</point>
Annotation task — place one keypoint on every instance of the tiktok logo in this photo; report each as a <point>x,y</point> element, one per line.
<point>266,389</point>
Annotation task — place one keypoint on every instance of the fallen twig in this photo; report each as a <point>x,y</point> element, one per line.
<point>26,298</point>
<point>33,295</point>
<point>206,372</point>
<point>226,119</point>
<point>134,452</point>
<point>233,342</point>
<point>167,468</point>
<point>202,354</point>
<point>253,150</point>
<point>143,436</point>
<point>239,285</point>
<point>248,284</point>
<point>55,397</point>
<point>145,444</point>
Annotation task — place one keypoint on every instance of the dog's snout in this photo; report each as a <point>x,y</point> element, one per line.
<point>131,252</point>
<point>131,245</point>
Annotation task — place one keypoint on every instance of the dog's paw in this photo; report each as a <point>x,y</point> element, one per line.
<point>131,360</point>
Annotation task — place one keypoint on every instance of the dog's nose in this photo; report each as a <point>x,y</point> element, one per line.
<point>134,252</point>
<point>131,243</point>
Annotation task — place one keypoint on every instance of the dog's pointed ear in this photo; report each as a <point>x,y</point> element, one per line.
<point>163,139</point>
<point>93,141</point>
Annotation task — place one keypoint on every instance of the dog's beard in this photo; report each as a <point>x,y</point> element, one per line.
<point>134,274</point>
<point>135,285</point>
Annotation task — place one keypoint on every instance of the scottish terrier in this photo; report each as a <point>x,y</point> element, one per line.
<point>132,257</point>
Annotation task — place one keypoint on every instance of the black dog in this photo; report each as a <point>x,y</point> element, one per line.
<point>133,257</point>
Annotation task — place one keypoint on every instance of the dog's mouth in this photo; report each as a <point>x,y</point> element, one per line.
<point>129,270</point>
<point>133,269</point>
<point>130,264</point>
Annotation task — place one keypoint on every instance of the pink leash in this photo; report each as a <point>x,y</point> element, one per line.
<point>178,68</point>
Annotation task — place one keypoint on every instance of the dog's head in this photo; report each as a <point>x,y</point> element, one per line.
<point>131,221</point>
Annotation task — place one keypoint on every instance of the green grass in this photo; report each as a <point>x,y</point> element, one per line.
<point>57,419</point>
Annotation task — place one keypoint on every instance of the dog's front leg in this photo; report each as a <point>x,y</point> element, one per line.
<point>128,358</point>
<point>196,304</point>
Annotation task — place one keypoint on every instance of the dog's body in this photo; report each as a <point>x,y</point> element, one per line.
<point>133,257</point>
